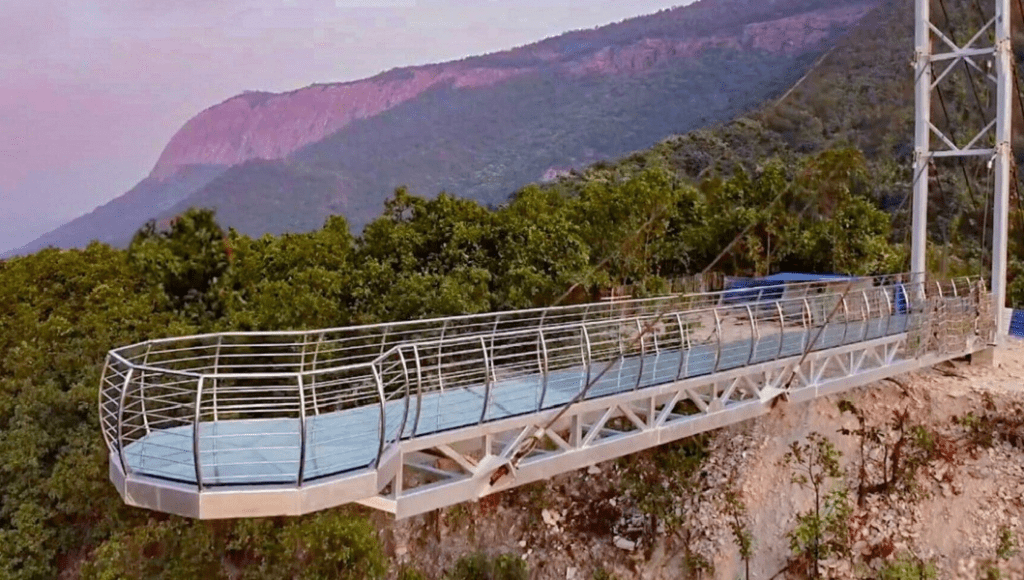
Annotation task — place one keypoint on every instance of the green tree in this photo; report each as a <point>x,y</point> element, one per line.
<point>186,260</point>
<point>823,530</point>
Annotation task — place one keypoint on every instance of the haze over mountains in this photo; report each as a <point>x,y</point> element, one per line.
<point>481,127</point>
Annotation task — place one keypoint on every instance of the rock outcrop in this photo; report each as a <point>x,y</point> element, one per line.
<point>270,126</point>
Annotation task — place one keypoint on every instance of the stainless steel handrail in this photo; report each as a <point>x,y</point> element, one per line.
<point>340,386</point>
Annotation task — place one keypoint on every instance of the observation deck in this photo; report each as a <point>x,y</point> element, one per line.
<point>412,416</point>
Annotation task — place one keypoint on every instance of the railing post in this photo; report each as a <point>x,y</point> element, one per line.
<point>587,355</point>
<point>755,336</point>
<point>405,375</point>
<point>782,328</point>
<point>494,331</point>
<point>684,348</point>
<point>654,336</point>
<point>889,303</point>
<point>542,360</point>
<point>142,386</point>
<point>302,431</point>
<point>808,323</point>
<point>120,421</point>
<point>384,340</point>
<point>382,422</point>
<point>419,388</point>
<point>487,380</point>
<point>99,402</point>
<point>846,321</point>
<point>718,331</point>
<point>867,314</point>
<point>643,354</point>
<point>196,423</point>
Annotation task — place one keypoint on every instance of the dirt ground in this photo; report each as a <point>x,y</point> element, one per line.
<point>962,504</point>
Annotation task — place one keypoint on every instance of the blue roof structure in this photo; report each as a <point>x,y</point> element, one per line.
<point>740,290</point>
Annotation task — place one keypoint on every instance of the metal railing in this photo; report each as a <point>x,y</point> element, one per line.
<point>291,407</point>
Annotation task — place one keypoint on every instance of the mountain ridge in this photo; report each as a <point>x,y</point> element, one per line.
<point>273,125</point>
<point>685,67</point>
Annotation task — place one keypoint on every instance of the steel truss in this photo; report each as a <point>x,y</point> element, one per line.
<point>936,51</point>
<point>449,468</point>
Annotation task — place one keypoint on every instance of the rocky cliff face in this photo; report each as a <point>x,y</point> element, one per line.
<point>272,126</point>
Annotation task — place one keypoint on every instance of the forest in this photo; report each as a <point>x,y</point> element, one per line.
<point>61,310</point>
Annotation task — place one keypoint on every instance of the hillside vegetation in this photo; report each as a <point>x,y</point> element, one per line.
<point>61,310</point>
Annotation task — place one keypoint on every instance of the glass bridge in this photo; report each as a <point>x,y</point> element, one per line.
<point>411,416</point>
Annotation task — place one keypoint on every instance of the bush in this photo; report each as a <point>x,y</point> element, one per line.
<point>908,567</point>
<point>333,545</point>
<point>480,566</point>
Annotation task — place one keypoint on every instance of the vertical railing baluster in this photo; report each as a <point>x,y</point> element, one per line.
<point>419,389</point>
<point>542,360</point>
<point>684,347</point>
<point>587,355</point>
<point>381,422</point>
<point>846,321</point>
<point>120,421</point>
<point>782,328</point>
<point>889,304</point>
<point>100,403</point>
<point>142,386</point>
<point>643,354</point>
<point>718,332</point>
<point>302,431</point>
<point>867,314</point>
<point>487,380</point>
<point>196,424</point>
<point>808,323</point>
<point>753,335</point>
<point>405,375</point>
<point>494,331</point>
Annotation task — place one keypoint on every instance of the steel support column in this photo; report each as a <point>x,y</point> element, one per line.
<point>992,142</point>
<point>922,139</point>
<point>1000,223</point>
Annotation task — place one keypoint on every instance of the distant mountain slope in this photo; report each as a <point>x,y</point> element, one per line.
<point>481,127</point>
<point>269,126</point>
<point>116,221</point>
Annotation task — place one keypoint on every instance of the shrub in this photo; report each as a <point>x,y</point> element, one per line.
<point>480,566</point>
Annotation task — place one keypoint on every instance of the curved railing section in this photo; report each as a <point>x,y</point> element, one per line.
<point>288,408</point>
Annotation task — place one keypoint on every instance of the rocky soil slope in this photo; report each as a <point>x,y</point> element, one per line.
<point>960,511</point>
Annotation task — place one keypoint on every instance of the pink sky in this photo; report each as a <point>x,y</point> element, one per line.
<point>92,90</point>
